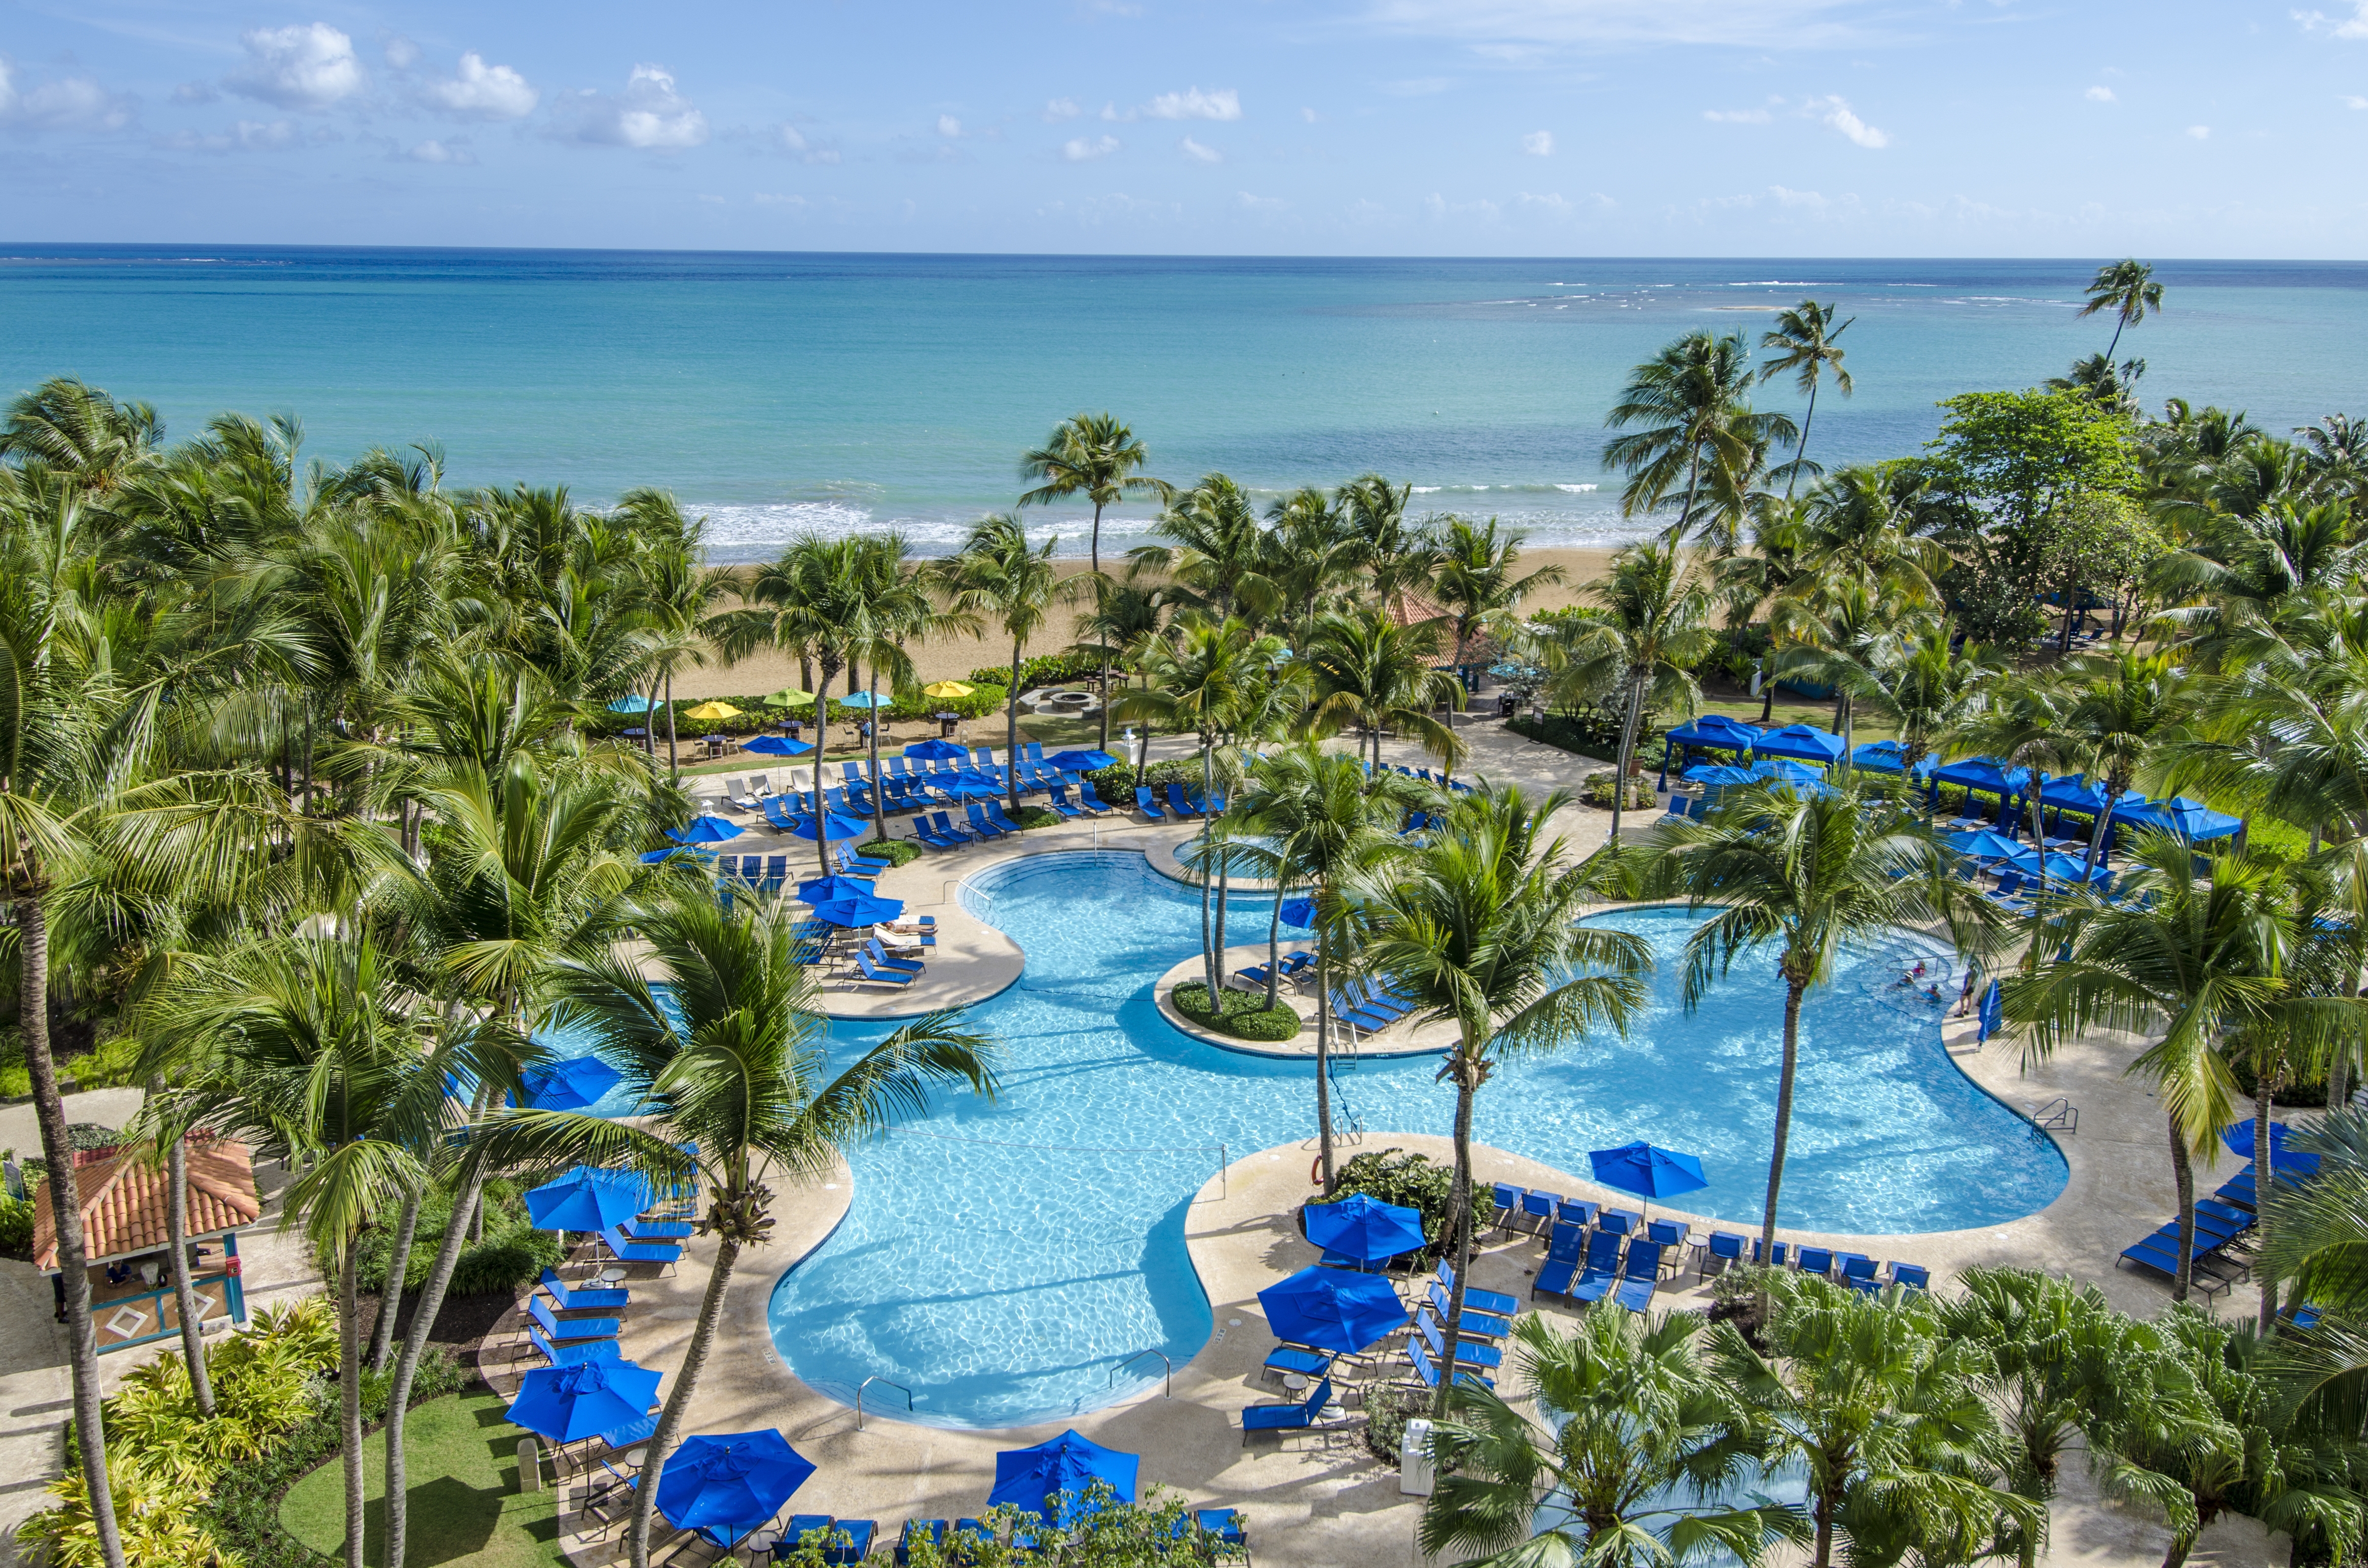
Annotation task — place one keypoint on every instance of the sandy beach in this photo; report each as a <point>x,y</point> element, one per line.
<point>954,659</point>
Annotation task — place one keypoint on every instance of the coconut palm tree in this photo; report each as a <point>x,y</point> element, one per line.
<point>998,576</point>
<point>1475,582</point>
<point>678,595</point>
<point>1368,669</point>
<point>1693,399</point>
<point>1653,629</point>
<point>69,426</point>
<point>1807,875</point>
<point>1215,555</point>
<point>1634,1430</point>
<point>1481,930</point>
<point>1803,341</point>
<point>1095,456</point>
<point>1930,687</point>
<point>1400,555</point>
<point>2128,289</point>
<point>728,1057</point>
<point>2118,710</point>
<point>1332,832</point>
<point>1313,554</point>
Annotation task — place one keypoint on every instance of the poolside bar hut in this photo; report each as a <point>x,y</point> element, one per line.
<point>1712,731</point>
<point>1982,776</point>
<point>2073,792</point>
<point>126,1218</point>
<point>1802,742</point>
<point>1886,757</point>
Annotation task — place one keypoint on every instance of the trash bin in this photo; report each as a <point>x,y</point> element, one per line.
<point>946,722</point>
<point>1505,705</point>
<point>1414,1460</point>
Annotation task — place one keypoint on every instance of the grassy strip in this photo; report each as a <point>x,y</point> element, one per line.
<point>465,1505</point>
<point>1242,1014</point>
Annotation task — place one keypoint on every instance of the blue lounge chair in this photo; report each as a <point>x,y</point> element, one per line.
<point>1059,803</point>
<point>1911,1275</point>
<point>1858,1273</point>
<point>560,1333</point>
<point>933,837</point>
<point>570,1355</point>
<point>946,829</point>
<point>582,1300</point>
<point>1495,1301</point>
<point>854,1542</point>
<point>1508,1207</point>
<point>1724,1247</point>
<point>1578,1211</point>
<point>1427,1372</point>
<point>656,1230</point>
<point>979,826</point>
<point>983,758</point>
<point>1641,1277</point>
<point>1287,1417</point>
<point>856,865</point>
<point>1602,1271</point>
<point>1035,750</point>
<point>1485,1356</point>
<point>1620,1222</point>
<point>1782,1255</point>
<point>1565,1254</point>
<point>1144,803</point>
<point>2161,1256</point>
<point>1475,1322</point>
<point>995,814</point>
<point>1089,800</point>
<point>631,1251</point>
<point>794,1533</point>
<point>1285,1359</point>
<point>878,956</point>
<point>1348,1012</point>
<point>779,812</point>
<point>1818,1261</point>
<point>1295,964</point>
<point>1223,1533</point>
<point>1538,1206</point>
<point>866,969</point>
<point>931,1530</point>
<point>777,872</point>
<point>1179,803</point>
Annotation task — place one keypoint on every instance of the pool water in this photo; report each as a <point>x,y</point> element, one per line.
<point>1007,1262</point>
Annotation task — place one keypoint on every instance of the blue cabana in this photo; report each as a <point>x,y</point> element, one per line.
<point>2192,821</point>
<point>1985,776</point>
<point>2073,792</point>
<point>1806,742</point>
<point>1885,756</point>
<point>1712,731</point>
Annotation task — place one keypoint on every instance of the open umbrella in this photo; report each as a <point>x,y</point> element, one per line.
<point>2059,868</point>
<point>2238,1136</point>
<point>1033,1479</point>
<point>633,702</point>
<point>704,830</point>
<point>936,750</point>
<point>942,689</point>
<point>692,851</point>
<point>857,912</point>
<point>1982,844</point>
<point>823,889</point>
<point>832,826</point>
<point>570,1084</point>
<point>1364,1228</point>
<point>730,1482</point>
<point>586,1199</point>
<point>711,712</point>
<point>790,696</point>
<point>1647,1172</point>
<point>1299,912</point>
<point>1783,770</point>
<point>776,745</point>
<point>1331,1309</point>
<point>568,1404</point>
<point>866,699</point>
<point>1085,761</point>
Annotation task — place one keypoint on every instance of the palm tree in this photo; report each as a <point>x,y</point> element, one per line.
<point>1369,670</point>
<point>729,1058</point>
<point>678,595</point>
<point>68,426</point>
<point>998,576</point>
<point>1653,629</point>
<point>1474,583</point>
<point>1333,833</point>
<point>1481,930</point>
<point>1313,554</point>
<point>1930,688</point>
<point>2118,708</point>
<point>1630,1424</point>
<point>1693,397</point>
<point>1748,584</point>
<point>1803,341</point>
<point>1095,456</point>
<point>1400,556</point>
<point>1216,553</point>
<point>1810,876</point>
<point>2128,289</point>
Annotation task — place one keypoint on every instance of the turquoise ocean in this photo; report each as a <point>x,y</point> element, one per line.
<point>779,392</point>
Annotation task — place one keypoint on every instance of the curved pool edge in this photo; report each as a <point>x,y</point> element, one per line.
<point>1301,1048</point>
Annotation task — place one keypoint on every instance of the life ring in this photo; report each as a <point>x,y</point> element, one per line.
<point>1315,1172</point>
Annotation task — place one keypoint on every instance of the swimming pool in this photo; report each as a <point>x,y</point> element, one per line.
<point>1003,1259</point>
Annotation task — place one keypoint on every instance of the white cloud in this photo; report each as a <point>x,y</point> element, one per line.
<point>1198,153</point>
<point>2352,26</point>
<point>648,114</point>
<point>195,93</point>
<point>1194,104</point>
<point>306,67</point>
<point>1538,143</point>
<point>1080,148</point>
<point>1309,114</point>
<point>65,103</point>
<point>2201,133</point>
<point>764,198</point>
<point>2353,101</point>
<point>400,52</point>
<point>1438,205</point>
<point>482,92</point>
<point>1765,23</point>
<point>1259,203</point>
<point>452,149</point>
<point>1736,116</point>
<point>1558,205</point>
<point>787,139</point>
<point>2099,94</point>
<point>1062,108</point>
<point>246,136</point>
<point>949,126</point>
<point>1418,87</point>
<point>1814,200</point>
<point>1835,112</point>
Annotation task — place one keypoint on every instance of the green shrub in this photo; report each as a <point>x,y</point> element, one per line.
<point>512,1255</point>
<point>16,1224</point>
<point>1563,732</point>
<point>1597,790</point>
<point>896,851</point>
<point>1115,784</point>
<point>1039,816</point>
<point>1244,1014</point>
<point>1410,1181</point>
<point>1386,1410</point>
<point>1045,669</point>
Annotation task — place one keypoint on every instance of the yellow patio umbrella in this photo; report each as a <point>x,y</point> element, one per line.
<point>790,696</point>
<point>947,689</point>
<point>712,711</point>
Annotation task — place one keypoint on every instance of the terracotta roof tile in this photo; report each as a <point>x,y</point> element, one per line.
<point>125,1205</point>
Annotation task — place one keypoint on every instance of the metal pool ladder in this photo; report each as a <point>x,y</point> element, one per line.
<point>1138,1356</point>
<point>876,1378</point>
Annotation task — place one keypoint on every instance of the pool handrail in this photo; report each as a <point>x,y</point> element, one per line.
<point>1148,1351</point>
<point>877,1378</point>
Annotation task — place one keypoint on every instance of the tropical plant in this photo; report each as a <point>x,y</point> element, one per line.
<point>1693,399</point>
<point>1369,669</point>
<point>1095,456</point>
<point>998,576</point>
<point>1803,342</point>
<point>2128,289</point>
<point>1475,582</point>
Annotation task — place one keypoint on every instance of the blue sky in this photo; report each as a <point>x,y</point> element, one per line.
<point>1386,127</point>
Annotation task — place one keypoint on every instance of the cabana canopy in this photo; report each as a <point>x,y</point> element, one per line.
<point>1712,731</point>
<point>2073,792</point>
<point>1806,742</point>
<point>2191,820</point>
<point>1885,756</point>
<point>1718,775</point>
<point>1982,772</point>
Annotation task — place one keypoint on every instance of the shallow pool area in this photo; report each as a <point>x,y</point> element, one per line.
<point>1009,1262</point>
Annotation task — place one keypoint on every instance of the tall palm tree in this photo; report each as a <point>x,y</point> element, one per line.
<point>1653,629</point>
<point>69,426</point>
<point>1215,554</point>
<point>2128,289</point>
<point>998,576</point>
<point>1332,834</point>
<point>1693,398</point>
<point>1400,555</point>
<point>1809,876</point>
<point>1804,342</point>
<point>1930,687</point>
<point>1095,456</point>
<point>728,1058</point>
<point>1635,1435</point>
<point>678,595</point>
<point>2118,710</point>
<point>1371,670</point>
<point>1481,930</point>
<point>1475,582</point>
<point>1313,554</point>
<point>1750,583</point>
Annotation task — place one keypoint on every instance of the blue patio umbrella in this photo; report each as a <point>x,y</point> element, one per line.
<point>570,1084</point>
<point>1718,775</point>
<point>865,700</point>
<point>633,702</point>
<point>834,826</point>
<point>1647,1172</point>
<point>694,852</point>
<point>936,750</point>
<point>1784,771</point>
<point>823,889</point>
<point>971,787</point>
<point>730,1482</point>
<point>1331,1309</point>
<point>585,1200</point>
<point>1299,912</point>
<point>2056,868</point>
<point>704,830</point>
<point>852,912</point>
<point>2239,1137</point>
<point>1981,843</point>
<point>1033,1479</point>
<point>1081,761</point>
<point>776,745</point>
<point>568,1404</point>
<point>1364,1228</point>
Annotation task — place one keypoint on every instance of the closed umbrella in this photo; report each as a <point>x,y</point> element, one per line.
<point>1085,761</point>
<point>570,1084</point>
<point>632,703</point>
<point>704,830</point>
<point>944,689</point>
<point>859,912</point>
<point>832,827</point>
<point>777,746</point>
<point>711,712</point>
<point>936,750</point>
<point>1647,1171</point>
<point>568,1404</point>
<point>1331,1309</point>
<point>1364,1228</point>
<point>1033,1479</point>
<point>730,1482</point>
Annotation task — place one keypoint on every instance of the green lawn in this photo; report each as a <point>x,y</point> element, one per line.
<point>465,1505</point>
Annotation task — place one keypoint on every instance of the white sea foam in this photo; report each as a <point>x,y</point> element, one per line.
<point>1575,489</point>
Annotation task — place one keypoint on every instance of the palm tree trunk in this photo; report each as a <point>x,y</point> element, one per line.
<point>2273,1072</point>
<point>2119,322</point>
<point>415,1345</point>
<point>694,1357</point>
<point>2175,1556</point>
<point>1324,1059</point>
<point>185,1298</point>
<point>1784,1076</point>
<point>879,796</point>
<point>1011,735</point>
<point>1802,449</point>
<point>1101,613</point>
<point>674,765</point>
<point>1627,751</point>
<point>1459,1218</point>
<point>2183,1178</point>
<point>66,1213</point>
<point>1273,948</point>
<point>821,739</point>
<point>2114,788</point>
<point>390,1298</point>
<point>349,1395</point>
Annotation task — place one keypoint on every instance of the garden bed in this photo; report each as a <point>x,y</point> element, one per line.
<point>1241,1013</point>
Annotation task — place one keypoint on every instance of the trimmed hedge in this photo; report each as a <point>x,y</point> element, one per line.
<point>896,851</point>
<point>755,717</point>
<point>1045,669</point>
<point>1244,1014</point>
